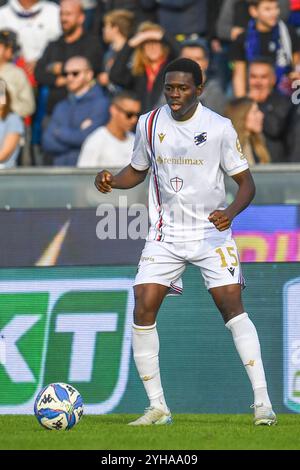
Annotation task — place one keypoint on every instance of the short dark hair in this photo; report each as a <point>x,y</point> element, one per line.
<point>9,39</point>
<point>196,43</point>
<point>186,66</point>
<point>262,60</point>
<point>125,95</point>
<point>255,3</point>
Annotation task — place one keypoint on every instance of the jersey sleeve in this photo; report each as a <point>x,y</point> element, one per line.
<point>141,159</point>
<point>233,160</point>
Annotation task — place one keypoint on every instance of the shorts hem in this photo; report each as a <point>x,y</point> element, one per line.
<point>174,290</point>
<point>222,283</point>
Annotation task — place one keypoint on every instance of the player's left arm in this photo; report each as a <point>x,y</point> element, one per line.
<point>222,219</point>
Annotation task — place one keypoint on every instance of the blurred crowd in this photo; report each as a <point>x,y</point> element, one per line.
<point>75,75</point>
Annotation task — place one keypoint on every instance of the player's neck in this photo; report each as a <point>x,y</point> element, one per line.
<point>190,113</point>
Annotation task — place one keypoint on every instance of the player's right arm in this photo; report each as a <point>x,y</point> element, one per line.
<point>135,172</point>
<point>128,178</point>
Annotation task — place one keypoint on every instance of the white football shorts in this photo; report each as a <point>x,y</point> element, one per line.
<point>164,263</point>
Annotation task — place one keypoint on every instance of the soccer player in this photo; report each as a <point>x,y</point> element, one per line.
<point>189,148</point>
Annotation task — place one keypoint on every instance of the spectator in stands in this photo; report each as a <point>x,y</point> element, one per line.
<point>233,20</point>
<point>234,17</point>
<point>181,18</point>
<point>118,27</point>
<point>73,42</point>
<point>149,51</point>
<point>268,36</point>
<point>212,95</point>
<point>133,6</point>
<point>36,22</point>
<point>247,120</point>
<point>74,118</point>
<point>276,107</point>
<point>20,90</point>
<point>111,146</point>
<point>11,131</point>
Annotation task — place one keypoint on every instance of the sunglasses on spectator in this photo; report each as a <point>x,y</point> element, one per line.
<point>73,73</point>
<point>128,114</point>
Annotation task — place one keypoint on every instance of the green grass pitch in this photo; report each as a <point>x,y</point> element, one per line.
<point>188,432</point>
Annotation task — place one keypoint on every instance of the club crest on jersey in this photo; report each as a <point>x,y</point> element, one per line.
<point>176,184</point>
<point>161,137</point>
<point>200,139</point>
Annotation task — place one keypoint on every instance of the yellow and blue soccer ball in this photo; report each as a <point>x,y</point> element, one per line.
<point>58,406</point>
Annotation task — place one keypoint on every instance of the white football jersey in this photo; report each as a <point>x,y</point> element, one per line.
<point>188,161</point>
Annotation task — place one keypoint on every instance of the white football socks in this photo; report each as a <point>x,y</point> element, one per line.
<point>247,344</point>
<point>145,344</point>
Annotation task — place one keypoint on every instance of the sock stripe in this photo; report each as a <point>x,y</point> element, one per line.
<point>143,328</point>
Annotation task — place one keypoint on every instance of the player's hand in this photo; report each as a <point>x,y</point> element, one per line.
<point>103,181</point>
<point>220,219</point>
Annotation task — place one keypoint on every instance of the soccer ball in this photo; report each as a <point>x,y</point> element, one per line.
<point>58,406</point>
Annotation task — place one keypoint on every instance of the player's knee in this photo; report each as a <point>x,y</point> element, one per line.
<point>144,313</point>
<point>229,306</point>
<point>144,317</point>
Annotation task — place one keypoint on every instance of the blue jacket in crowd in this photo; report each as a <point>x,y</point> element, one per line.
<point>73,119</point>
